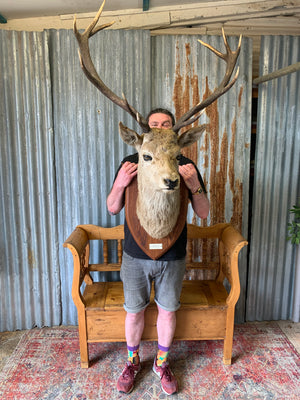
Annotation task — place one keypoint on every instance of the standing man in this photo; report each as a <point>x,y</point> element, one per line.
<point>138,269</point>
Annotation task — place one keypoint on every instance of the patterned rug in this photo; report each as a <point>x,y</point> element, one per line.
<point>46,365</point>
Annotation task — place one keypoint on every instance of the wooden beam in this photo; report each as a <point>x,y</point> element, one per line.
<point>231,13</point>
<point>202,14</point>
<point>254,28</point>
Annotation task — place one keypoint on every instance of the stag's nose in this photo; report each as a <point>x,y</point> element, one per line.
<point>171,185</point>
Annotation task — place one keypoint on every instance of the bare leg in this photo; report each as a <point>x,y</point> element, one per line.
<point>134,326</point>
<point>166,324</point>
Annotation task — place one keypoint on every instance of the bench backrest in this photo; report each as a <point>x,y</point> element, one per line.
<point>194,233</point>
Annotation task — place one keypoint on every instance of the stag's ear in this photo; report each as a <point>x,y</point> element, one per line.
<point>130,137</point>
<point>191,136</point>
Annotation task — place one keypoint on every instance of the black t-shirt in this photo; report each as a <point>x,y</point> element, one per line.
<point>178,250</point>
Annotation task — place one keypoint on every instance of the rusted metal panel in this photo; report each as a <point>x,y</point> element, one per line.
<point>276,184</point>
<point>186,75</point>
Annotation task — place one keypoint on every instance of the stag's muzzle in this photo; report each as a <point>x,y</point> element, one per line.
<point>171,185</point>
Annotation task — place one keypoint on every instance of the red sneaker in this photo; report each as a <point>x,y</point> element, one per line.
<point>126,379</point>
<point>168,381</point>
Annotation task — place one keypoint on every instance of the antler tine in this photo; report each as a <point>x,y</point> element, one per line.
<point>230,57</point>
<point>137,116</point>
<point>190,121</point>
<point>90,71</point>
<point>90,30</point>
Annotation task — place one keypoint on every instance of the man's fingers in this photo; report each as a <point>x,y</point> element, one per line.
<point>129,167</point>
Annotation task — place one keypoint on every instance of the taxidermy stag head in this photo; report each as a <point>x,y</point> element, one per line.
<point>158,201</point>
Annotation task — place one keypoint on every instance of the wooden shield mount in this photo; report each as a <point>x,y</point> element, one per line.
<point>154,248</point>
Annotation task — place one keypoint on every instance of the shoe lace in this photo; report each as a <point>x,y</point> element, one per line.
<point>166,372</point>
<point>128,371</point>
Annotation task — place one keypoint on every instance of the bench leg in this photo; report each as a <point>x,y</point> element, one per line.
<point>227,353</point>
<point>84,356</point>
<point>227,361</point>
<point>84,351</point>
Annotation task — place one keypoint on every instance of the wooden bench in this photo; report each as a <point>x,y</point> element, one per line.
<point>207,309</point>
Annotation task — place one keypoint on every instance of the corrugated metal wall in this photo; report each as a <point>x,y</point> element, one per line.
<point>29,277</point>
<point>60,150</point>
<point>276,184</point>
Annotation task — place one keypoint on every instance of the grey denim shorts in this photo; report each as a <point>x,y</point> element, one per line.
<point>137,276</point>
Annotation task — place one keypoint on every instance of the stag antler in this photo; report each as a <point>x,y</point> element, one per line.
<point>90,71</point>
<point>230,57</point>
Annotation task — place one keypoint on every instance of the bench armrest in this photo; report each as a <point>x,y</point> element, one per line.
<point>231,242</point>
<point>78,244</point>
<point>77,241</point>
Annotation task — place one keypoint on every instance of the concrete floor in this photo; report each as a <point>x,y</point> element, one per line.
<point>292,331</point>
<point>9,340</point>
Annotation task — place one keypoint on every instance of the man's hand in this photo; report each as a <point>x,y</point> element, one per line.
<point>200,202</point>
<point>115,199</point>
<point>127,172</point>
<point>190,176</point>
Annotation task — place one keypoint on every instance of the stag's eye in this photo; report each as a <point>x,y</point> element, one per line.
<point>178,157</point>
<point>146,157</point>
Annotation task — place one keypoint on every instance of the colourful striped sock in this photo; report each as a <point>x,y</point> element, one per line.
<point>162,355</point>
<point>133,354</point>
